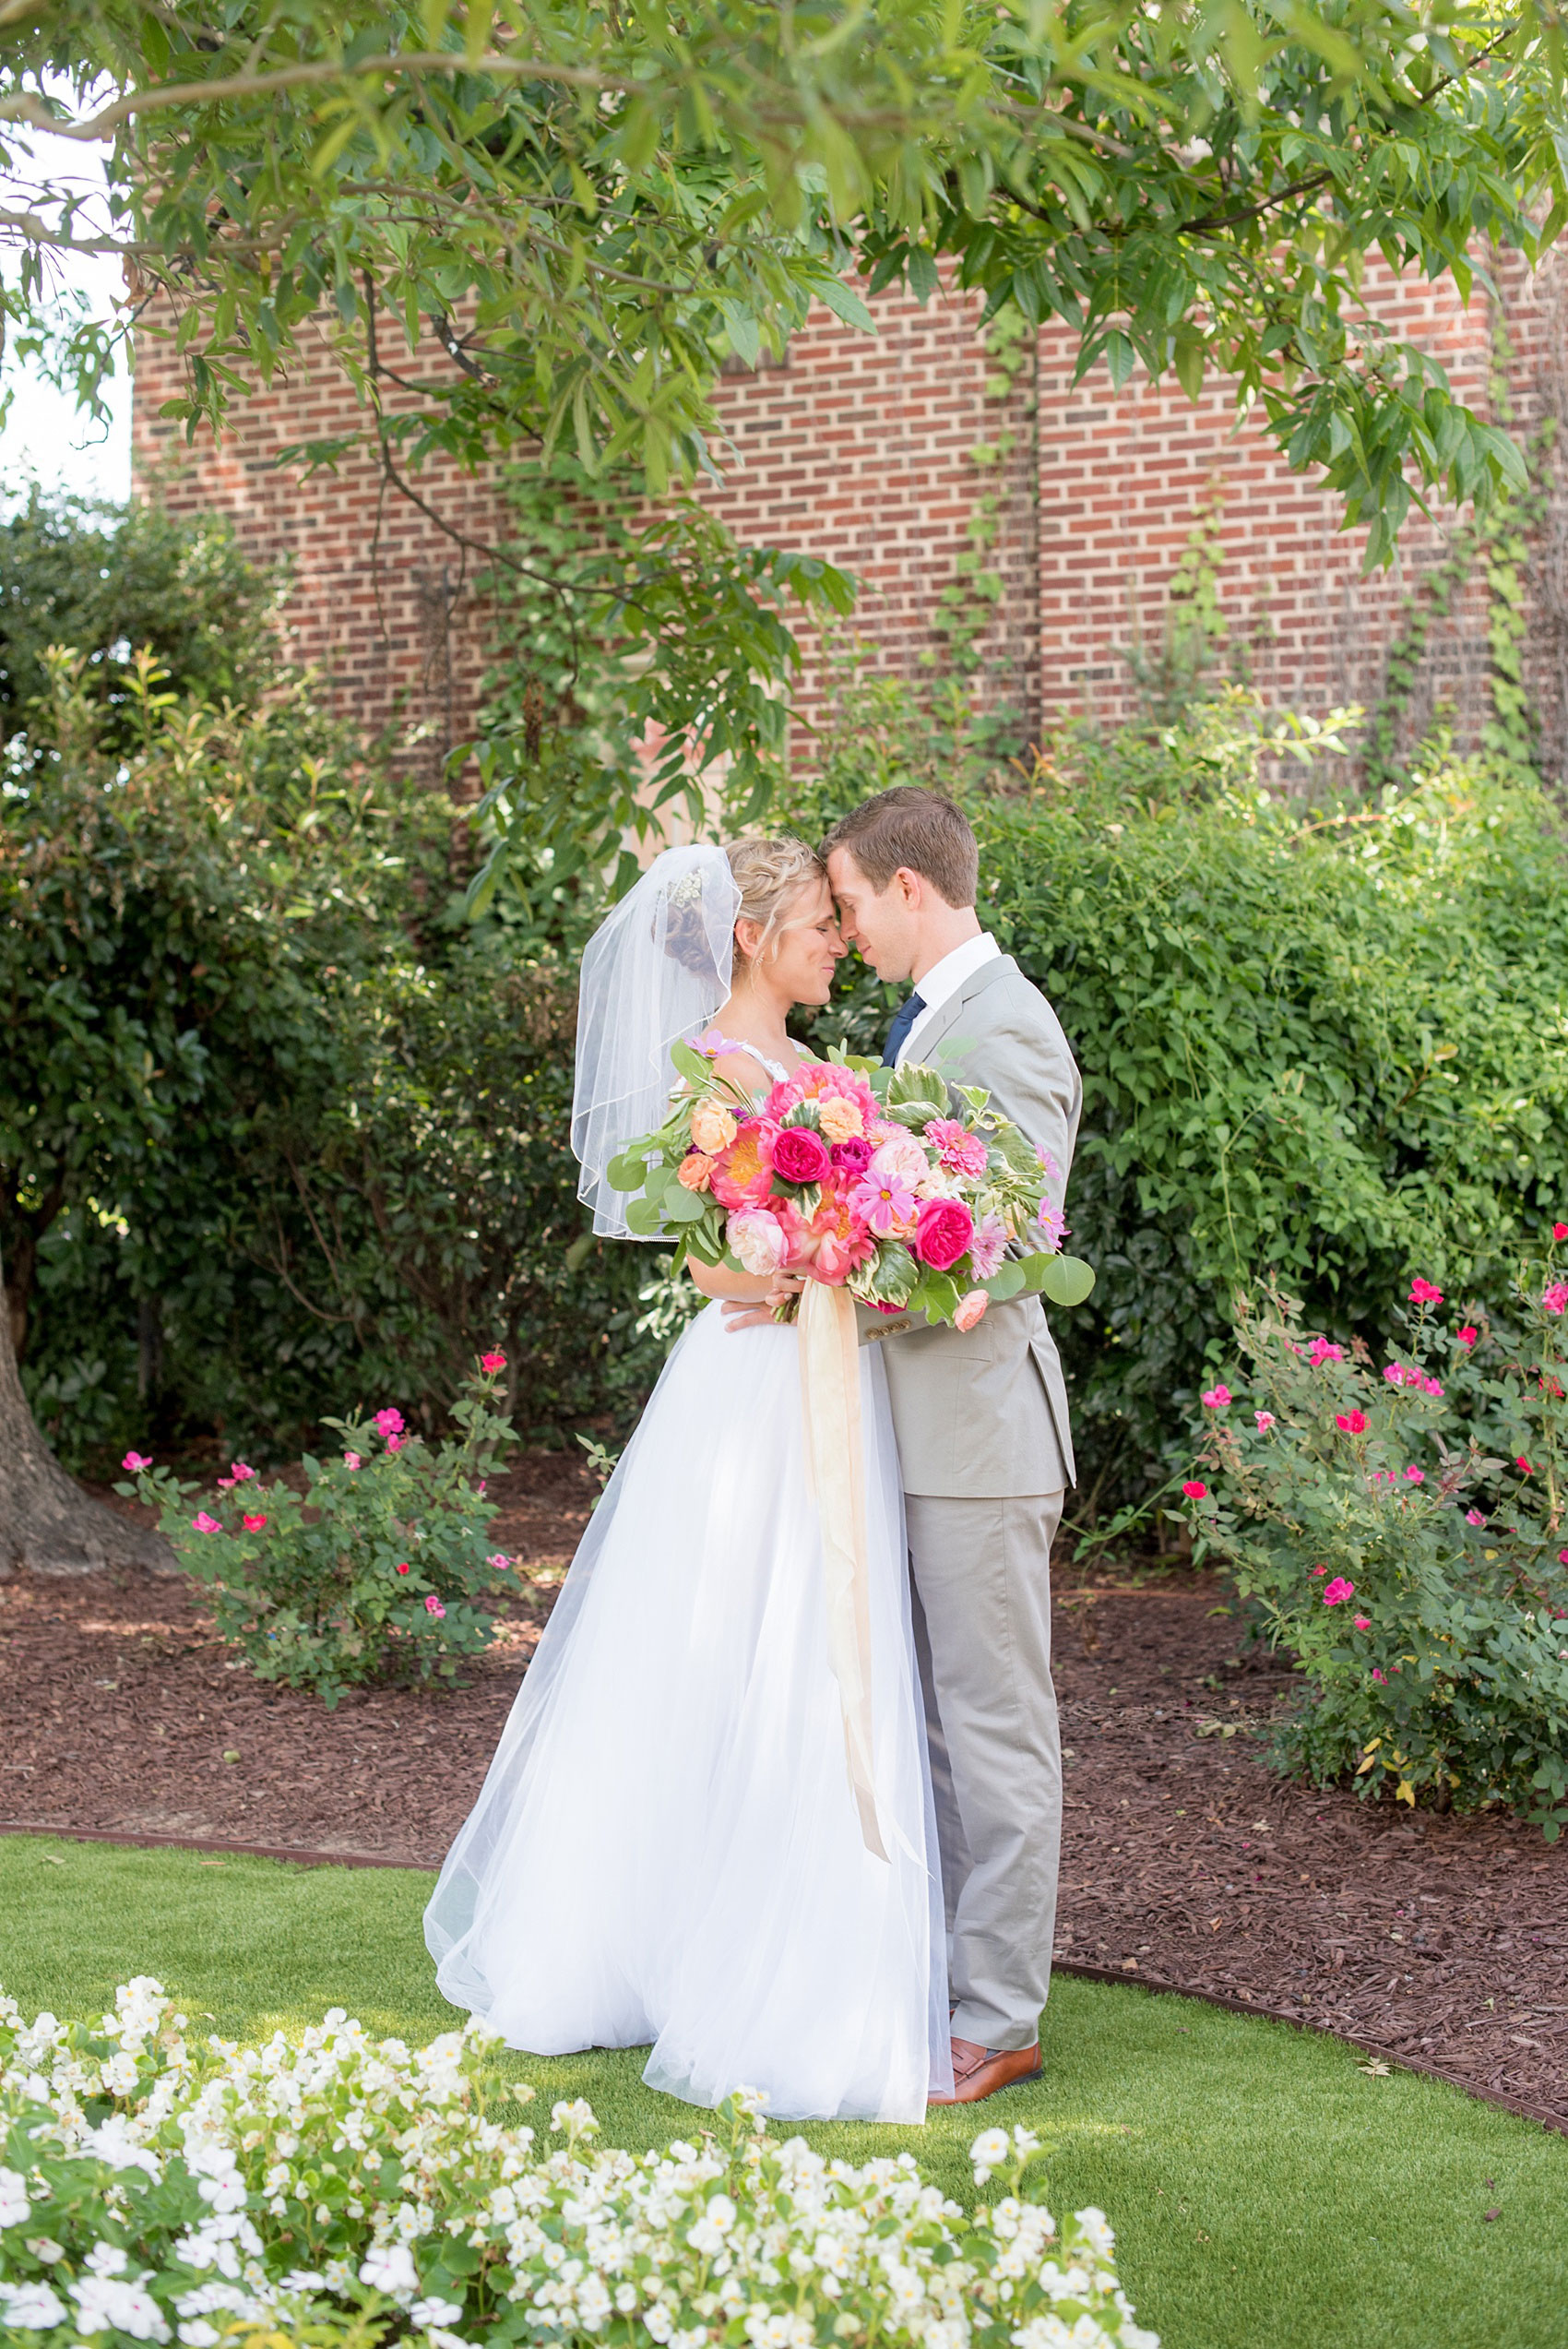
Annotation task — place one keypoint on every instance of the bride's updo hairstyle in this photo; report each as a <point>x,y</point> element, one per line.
<point>770,875</point>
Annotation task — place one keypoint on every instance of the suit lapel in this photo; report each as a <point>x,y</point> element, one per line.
<point>948,1021</point>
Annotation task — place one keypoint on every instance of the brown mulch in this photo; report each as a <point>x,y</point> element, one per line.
<point>1185,1862</point>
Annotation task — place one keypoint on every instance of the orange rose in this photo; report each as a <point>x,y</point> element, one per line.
<point>841,1120</point>
<point>713,1127</point>
<point>694,1171</point>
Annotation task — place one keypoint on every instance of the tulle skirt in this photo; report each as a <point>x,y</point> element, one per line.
<point>666,1848</point>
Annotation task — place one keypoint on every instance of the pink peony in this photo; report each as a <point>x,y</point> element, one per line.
<point>1335,1593</point>
<point>1469,1334</point>
<point>836,1236</point>
<point>432,1604</point>
<point>135,1462</point>
<point>1414,1475</point>
<point>1216,1398</point>
<point>743,1175</point>
<point>943,1231</point>
<point>490,1363</point>
<point>1474,1517</point>
<point>884,1203</point>
<point>960,1152</point>
<point>1321,1350</point>
<point>1363,1623</point>
<point>389,1422</point>
<point>202,1523</point>
<point>1195,1488</point>
<point>757,1239</point>
<point>987,1246</point>
<point>254,1525</point>
<point>352,1460</point>
<point>972,1309</point>
<point>1423,1293</point>
<point>1351,1423</point>
<point>799,1155</point>
<point>1264,1420</point>
<point>1554,1297</point>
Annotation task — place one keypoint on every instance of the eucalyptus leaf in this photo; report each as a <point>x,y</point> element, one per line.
<point>1068,1279</point>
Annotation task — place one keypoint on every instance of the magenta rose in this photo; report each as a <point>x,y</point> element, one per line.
<point>800,1155</point>
<point>942,1231</point>
<point>853,1155</point>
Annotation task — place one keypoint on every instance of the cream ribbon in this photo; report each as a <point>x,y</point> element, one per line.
<point>830,1395</point>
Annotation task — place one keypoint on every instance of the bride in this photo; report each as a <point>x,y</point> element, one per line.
<point>667,1847</point>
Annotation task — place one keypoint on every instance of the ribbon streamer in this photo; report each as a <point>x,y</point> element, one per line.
<point>830,1395</point>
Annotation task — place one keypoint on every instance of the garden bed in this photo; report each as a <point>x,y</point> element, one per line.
<point>1184,1860</point>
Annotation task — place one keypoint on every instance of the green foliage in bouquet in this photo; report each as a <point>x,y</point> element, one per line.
<point>1399,1531</point>
<point>153,2187</point>
<point>378,1573</point>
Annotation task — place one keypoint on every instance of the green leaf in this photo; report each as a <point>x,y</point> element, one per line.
<point>1068,1279</point>
<point>626,1172</point>
<point>844,302</point>
<point>645,1218</point>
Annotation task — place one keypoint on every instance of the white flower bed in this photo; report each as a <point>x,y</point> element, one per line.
<point>151,2192</point>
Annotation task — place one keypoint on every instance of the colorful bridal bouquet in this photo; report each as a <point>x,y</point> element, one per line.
<point>907,1190</point>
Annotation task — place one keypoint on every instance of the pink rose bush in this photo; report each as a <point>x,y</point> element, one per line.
<point>889,1184</point>
<point>1433,1491</point>
<point>381,1571</point>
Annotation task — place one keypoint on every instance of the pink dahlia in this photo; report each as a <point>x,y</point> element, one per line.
<point>960,1152</point>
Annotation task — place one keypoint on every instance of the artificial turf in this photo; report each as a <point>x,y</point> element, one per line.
<point>1266,2192</point>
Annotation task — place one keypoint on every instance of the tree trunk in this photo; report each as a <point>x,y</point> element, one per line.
<point>47,1523</point>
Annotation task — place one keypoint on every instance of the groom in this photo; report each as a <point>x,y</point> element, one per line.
<point>982,1422</point>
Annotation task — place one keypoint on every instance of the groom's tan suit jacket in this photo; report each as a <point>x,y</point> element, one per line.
<point>982,1413</point>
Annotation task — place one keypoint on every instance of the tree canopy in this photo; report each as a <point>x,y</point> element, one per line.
<point>589,203</point>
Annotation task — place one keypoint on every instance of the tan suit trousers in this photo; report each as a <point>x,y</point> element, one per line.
<point>981,1575</point>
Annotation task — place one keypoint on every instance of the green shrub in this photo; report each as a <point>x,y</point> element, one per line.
<point>376,1574</point>
<point>1399,1531</point>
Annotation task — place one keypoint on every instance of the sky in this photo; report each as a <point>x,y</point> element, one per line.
<point>45,437</point>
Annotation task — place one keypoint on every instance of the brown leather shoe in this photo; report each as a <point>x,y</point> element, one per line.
<point>979,2072</point>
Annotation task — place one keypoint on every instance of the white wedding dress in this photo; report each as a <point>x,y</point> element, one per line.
<point>666,1848</point>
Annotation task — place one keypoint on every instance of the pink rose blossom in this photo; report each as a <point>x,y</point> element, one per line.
<point>135,1462</point>
<point>1335,1593</point>
<point>254,1525</point>
<point>1378,1675</point>
<point>490,1363</point>
<point>884,1203</point>
<point>972,1309</point>
<point>960,1152</point>
<point>1320,1351</point>
<point>852,1157</point>
<point>757,1239</point>
<point>799,1155</point>
<point>352,1460</point>
<point>986,1247</point>
<point>1562,1558</point>
<point>432,1604</point>
<point>1195,1488</point>
<point>389,1422</point>
<point>1216,1398</point>
<point>1265,1421</point>
<point>899,1155</point>
<point>943,1231</point>
<point>1351,1423</point>
<point>1394,1374</point>
<point>239,1471</point>
<point>1560,1231</point>
<point>405,1567</point>
<point>202,1523</point>
<point>225,1483</point>
<point>1554,1297</point>
<point>1414,1475</point>
<point>1524,1465</point>
<point>394,1443</point>
<point>1432,1385</point>
<point>1474,1517</point>
<point>1423,1293</point>
<point>500,1561</point>
<point>1363,1623</point>
<point>1469,1334</point>
<point>1317,1570</point>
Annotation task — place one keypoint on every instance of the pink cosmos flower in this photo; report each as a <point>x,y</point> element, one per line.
<point>1216,1398</point>
<point>432,1604</point>
<point>202,1523</point>
<point>490,1363</point>
<point>239,1471</point>
<point>1560,1231</point>
<point>254,1525</point>
<point>1379,1676</point>
<point>886,1203</point>
<point>1052,1171</point>
<point>1414,1475</point>
<point>1554,1297</point>
<point>1351,1423</point>
<point>1051,1227</point>
<point>135,1462</point>
<point>1474,1517</point>
<point>1195,1488</point>
<point>1264,1420</point>
<point>758,1238</point>
<point>1363,1623</point>
<point>394,1443</point>
<point>960,1152</point>
<point>1321,1350</point>
<point>970,1309</point>
<point>943,1231</point>
<point>500,1561</point>
<point>1423,1293</point>
<point>353,1459</point>
<point>389,1422</point>
<point>1335,1593</point>
<point>1469,1334</point>
<point>986,1247</point>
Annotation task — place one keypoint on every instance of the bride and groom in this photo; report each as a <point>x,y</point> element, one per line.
<point>666,1848</point>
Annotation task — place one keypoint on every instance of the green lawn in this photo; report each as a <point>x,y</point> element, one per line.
<point>1267,2193</point>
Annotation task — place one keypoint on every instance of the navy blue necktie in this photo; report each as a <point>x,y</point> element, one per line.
<point>904,1018</point>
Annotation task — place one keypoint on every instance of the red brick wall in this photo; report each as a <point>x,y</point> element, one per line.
<point>857,448</point>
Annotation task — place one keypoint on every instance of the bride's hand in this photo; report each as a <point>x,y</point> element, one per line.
<point>740,1315</point>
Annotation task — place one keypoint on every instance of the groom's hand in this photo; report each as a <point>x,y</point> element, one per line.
<point>740,1315</point>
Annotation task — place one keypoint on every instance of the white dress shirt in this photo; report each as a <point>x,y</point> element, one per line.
<point>941,983</point>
